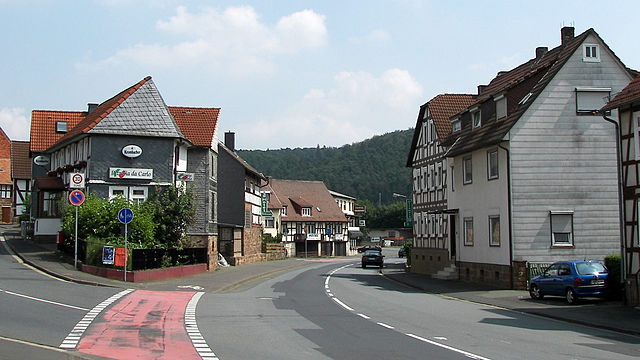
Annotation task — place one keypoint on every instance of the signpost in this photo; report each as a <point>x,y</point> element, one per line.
<point>125,215</point>
<point>76,198</point>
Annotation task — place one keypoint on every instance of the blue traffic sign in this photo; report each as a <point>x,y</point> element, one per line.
<point>76,197</point>
<point>125,215</point>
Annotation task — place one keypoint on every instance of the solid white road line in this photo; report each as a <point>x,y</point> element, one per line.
<point>19,261</point>
<point>43,300</point>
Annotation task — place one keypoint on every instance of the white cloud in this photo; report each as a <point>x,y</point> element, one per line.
<point>15,123</point>
<point>234,39</point>
<point>358,106</point>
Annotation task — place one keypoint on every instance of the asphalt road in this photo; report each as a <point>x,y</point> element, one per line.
<point>329,310</point>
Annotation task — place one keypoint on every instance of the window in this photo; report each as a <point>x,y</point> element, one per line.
<point>466,170</point>
<point>5,191</point>
<point>492,164</point>
<point>590,100</point>
<point>501,106</point>
<point>284,210</point>
<point>269,222</point>
<point>306,211</point>
<point>298,228</point>
<point>476,121</point>
<point>468,231</point>
<point>115,191</point>
<point>590,53</point>
<point>561,228</point>
<point>61,126</point>
<point>494,230</point>
<point>636,136</point>
<point>311,228</point>
<point>212,206</point>
<point>285,228</point>
<point>138,194</point>
<point>456,125</point>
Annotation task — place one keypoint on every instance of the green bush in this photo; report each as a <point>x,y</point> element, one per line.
<point>612,262</point>
<point>174,212</point>
<point>407,251</point>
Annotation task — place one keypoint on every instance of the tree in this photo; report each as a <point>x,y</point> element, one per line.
<point>174,212</point>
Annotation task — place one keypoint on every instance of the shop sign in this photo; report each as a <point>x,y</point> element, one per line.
<point>183,176</point>
<point>129,173</point>
<point>41,160</point>
<point>313,236</point>
<point>132,151</point>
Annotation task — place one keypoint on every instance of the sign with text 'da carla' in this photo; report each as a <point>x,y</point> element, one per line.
<point>130,173</point>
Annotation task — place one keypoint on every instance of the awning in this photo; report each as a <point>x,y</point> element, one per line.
<point>355,234</point>
<point>49,183</point>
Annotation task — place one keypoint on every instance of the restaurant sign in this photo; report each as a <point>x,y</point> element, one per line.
<point>129,173</point>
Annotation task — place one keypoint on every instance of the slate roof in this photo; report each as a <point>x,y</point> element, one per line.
<point>197,124</point>
<point>530,77</point>
<point>20,160</point>
<point>138,110</point>
<point>631,93</point>
<point>442,108</point>
<point>241,161</point>
<point>312,194</point>
<point>43,127</point>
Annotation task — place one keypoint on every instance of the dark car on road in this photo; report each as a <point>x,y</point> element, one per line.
<point>401,252</point>
<point>372,257</point>
<point>571,279</point>
<point>369,247</point>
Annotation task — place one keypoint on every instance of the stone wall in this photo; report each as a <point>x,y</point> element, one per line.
<point>429,261</point>
<point>210,242</point>
<point>490,274</point>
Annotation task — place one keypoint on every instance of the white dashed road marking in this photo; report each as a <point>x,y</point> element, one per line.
<point>199,343</point>
<point>72,340</point>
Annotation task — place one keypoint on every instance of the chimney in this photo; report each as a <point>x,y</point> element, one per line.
<point>230,140</point>
<point>481,88</point>
<point>567,33</point>
<point>91,107</point>
<point>540,51</point>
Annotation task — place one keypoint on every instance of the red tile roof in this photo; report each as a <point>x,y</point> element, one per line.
<point>43,126</point>
<point>444,106</point>
<point>197,124</point>
<point>20,160</point>
<point>631,93</point>
<point>312,194</point>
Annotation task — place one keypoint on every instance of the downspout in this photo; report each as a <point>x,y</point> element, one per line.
<point>623,241</point>
<point>510,215</point>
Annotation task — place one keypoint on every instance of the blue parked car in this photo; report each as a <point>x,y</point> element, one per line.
<point>571,279</point>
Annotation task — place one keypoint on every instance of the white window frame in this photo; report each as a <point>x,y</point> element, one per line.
<point>113,189</point>
<point>284,210</point>
<point>586,96</point>
<point>62,127</point>
<point>306,211</point>
<point>587,53</point>
<point>636,135</point>
<point>557,240</point>
<point>465,179</point>
<point>501,106</point>
<point>476,119</point>
<point>494,224</point>
<point>491,165</point>
<point>467,224</point>
<point>135,198</point>
<point>456,125</point>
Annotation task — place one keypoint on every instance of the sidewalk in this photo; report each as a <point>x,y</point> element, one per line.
<point>611,315</point>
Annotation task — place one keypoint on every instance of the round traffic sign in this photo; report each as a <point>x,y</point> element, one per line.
<point>77,179</point>
<point>76,197</point>
<point>125,215</point>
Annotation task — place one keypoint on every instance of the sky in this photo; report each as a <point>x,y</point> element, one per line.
<point>285,74</point>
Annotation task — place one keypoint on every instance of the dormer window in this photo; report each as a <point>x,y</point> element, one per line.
<point>501,106</point>
<point>590,53</point>
<point>284,210</point>
<point>456,125</point>
<point>476,121</point>
<point>61,126</point>
<point>306,211</point>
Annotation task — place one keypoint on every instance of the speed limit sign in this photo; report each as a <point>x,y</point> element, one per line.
<point>77,180</point>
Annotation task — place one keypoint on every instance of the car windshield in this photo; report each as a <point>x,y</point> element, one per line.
<point>590,268</point>
<point>372,253</point>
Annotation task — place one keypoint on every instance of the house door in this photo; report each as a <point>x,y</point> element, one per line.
<point>6,214</point>
<point>341,248</point>
<point>327,248</point>
<point>452,235</point>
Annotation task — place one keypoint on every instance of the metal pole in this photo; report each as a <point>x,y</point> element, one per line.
<point>125,253</point>
<point>75,247</point>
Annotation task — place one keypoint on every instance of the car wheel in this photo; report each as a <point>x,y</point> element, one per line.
<point>570,295</point>
<point>535,293</point>
<point>363,265</point>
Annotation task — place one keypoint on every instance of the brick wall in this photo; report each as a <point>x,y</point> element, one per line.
<point>490,274</point>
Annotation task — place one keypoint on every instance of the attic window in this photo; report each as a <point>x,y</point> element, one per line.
<point>306,211</point>
<point>590,100</point>
<point>476,120</point>
<point>590,53</point>
<point>501,106</point>
<point>456,125</point>
<point>525,98</point>
<point>61,126</point>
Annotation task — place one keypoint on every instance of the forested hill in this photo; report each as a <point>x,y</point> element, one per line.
<point>362,170</point>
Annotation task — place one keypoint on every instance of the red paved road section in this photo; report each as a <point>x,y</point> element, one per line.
<point>143,325</point>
